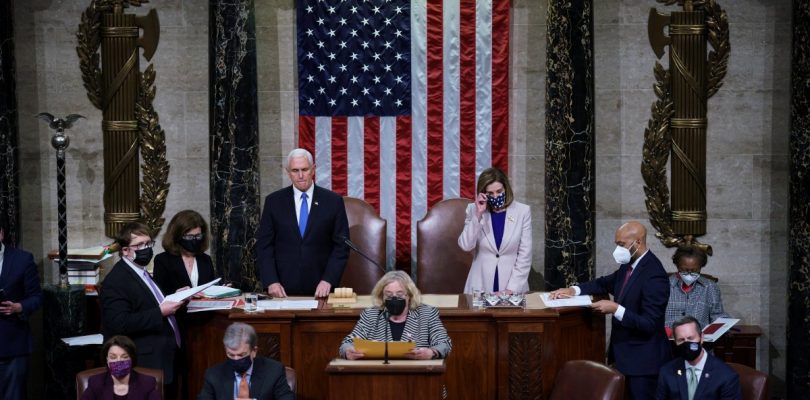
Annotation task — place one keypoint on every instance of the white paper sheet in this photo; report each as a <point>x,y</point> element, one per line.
<point>84,340</point>
<point>727,324</point>
<point>185,294</point>
<point>575,301</point>
<point>287,304</point>
<point>221,291</point>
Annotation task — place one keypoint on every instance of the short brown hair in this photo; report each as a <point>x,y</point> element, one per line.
<point>492,175</point>
<point>685,321</point>
<point>181,223</point>
<point>132,228</point>
<point>691,252</point>
<point>123,342</point>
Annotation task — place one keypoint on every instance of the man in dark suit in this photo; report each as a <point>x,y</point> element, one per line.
<point>21,296</point>
<point>244,375</point>
<point>695,374</point>
<point>300,242</point>
<point>640,289</point>
<point>133,305</point>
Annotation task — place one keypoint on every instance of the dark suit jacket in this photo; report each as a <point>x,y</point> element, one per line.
<point>100,387</point>
<point>299,264</point>
<point>717,381</point>
<point>170,272</point>
<point>638,344</point>
<point>129,308</point>
<point>268,382</point>
<point>20,281</point>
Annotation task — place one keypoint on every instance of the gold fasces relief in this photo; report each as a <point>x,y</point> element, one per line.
<point>676,132</point>
<point>108,43</point>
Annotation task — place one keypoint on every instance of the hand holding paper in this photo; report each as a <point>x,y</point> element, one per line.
<point>185,294</point>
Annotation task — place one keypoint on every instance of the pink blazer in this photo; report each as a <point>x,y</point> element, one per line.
<point>514,259</point>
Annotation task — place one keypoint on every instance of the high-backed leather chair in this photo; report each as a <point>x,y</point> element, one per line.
<point>290,375</point>
<point>367,231</point>
<point>753,383</point>
<point>588,380</point>
<point>441,266</point>
<point>83,377</point>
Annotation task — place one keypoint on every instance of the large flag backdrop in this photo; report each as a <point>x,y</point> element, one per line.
<point>403,103</point>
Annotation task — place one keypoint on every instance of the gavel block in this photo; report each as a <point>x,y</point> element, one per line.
<point>342,295</point>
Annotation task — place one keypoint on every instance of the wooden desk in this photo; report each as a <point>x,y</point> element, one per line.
<point>739,345</point>
<point>497,354</point>
<point>371,379</point>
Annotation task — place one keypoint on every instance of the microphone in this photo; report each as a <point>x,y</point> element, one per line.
<point>352,246</point>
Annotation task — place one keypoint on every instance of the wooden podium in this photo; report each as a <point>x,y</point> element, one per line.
<point>371,379</point>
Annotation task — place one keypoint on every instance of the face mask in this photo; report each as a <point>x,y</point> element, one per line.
<point>191,245</point>
<point>689,277</point>
<point>120,368</point>
<point>498,201</point>
<point>622,255</point>
<point>689,350</point>
<point>395,305</point>
<point>241,365</point>
<point>143,256</point>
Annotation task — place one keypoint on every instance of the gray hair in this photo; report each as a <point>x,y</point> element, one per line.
<point>300,153</point>
<point>238,333</point>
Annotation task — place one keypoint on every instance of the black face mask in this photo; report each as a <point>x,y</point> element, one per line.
<point>241,365</point>
<point>143,256</point>
<point>395,305</point>
<point>191,245</point>
<point>689,350</point>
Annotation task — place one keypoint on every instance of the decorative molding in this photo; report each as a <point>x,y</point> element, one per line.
<point>270,345</point>
<point>525,367</point>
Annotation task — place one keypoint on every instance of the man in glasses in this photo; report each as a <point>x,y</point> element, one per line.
<point>133,305</point>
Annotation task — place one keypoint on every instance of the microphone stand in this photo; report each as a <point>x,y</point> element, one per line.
<point>387,328</point>
<point>358,251</point>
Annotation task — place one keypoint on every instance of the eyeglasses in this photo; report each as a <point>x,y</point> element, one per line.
<point>141,246</point>
<point>198,236</point>
<point>389,296</point>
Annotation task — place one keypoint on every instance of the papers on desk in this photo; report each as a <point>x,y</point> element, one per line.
<point>287,304</point>
<point>575,301</point>
<point>84,340</point>
<point>717,328</point>
<point>220,292</point>
<point>373,349</point>
<point>209,305</point>
<point>185,294</point>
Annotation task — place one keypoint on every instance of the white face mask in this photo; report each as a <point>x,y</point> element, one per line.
<point>689,278</point>
<point>622,255</point>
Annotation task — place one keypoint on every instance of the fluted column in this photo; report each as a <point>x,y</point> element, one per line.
<point>9,172</point>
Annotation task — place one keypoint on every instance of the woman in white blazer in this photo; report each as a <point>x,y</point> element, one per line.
<point>499,229</point>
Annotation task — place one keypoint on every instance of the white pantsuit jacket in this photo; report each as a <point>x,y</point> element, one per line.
<point>514,259</point>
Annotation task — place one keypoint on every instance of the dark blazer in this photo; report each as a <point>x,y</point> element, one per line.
<point>638,343</point>
<point>717,381</point>
<point>20,281</point>
<point>170,271</point>
<point>100,387</point>
<point>268,382</point>
<point>129,308</point>
<point>299,264</point>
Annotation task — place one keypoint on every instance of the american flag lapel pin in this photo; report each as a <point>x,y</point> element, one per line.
<point>316,203</point>
<point>679,372</point>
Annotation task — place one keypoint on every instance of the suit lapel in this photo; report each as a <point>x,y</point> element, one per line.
<point>634,277</point>
<point>313,210</point>
<point>509,226</point>
<point>8,261</point>
<point>183,274</point>
<point>680,377</point>
<point>257,385</point>
<point>411,326</point>
<point>705,376</point>
<point>139,281</point>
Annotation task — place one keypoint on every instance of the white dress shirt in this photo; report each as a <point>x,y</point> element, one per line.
<point>619,314</point>
<point>297,197</point>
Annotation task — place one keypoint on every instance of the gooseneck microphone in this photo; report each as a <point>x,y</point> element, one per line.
<point>353,246</point>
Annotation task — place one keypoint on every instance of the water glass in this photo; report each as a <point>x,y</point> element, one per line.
<point>251,301</point>
<point>477,297</point>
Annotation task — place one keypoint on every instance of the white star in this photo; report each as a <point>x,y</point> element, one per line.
<point>376,56</point>
<point>354,102</point>
<point>310,32</point>
<point>376,9</point>
<point>376,79</point>
<point>376,102</point>
<point>353,56</point>
<point>320,44</point>
<point>331,9</point>
<point>321,90</point>
<point>342,21</point>
<point>343,90</point>
<point>364,21</point>
<point>387,44</point>
<point>331,56</point>
<point>365,91</point>
<point>342,67</point>
<point>320,21</point>
<point>376,33</point>
<point>398,56</point>
<point>331,33</point>
<point>398,33</point>
<point>311,101</point>
<point>310,55</point>
<point>353,32</point>
<point>332,79</point>
<point>398,103</point>
<point>398,79</point>
<point>332,102</point>
<point>354,79</point>
<point>342,44</point>
<point>366,68</point>
<point>398,9</point>
<point>387,21</point>
<point>364,44</point>
<point>310,78</point>
<point>321,67</point>
<point>387,67</point>
<point>387,91</point>
<point>354,9</point>
<point>309,9</point>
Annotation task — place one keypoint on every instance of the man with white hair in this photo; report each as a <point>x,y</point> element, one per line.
<point>244,375</point>
<point>301,239</point>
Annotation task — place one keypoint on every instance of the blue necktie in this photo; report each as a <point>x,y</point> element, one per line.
<point>303,215</point>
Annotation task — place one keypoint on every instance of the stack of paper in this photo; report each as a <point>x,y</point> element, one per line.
<point>209,305</point>
<point>84,340</point>
<point>574,301</point>
<point>221,292</point>
<point>185,294</point>
<point>285,304</point>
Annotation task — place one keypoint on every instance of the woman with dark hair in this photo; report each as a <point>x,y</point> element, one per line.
<point>184,262</point>
<point>120,381</point>
<point>691,293</point>
<point>499,230</point>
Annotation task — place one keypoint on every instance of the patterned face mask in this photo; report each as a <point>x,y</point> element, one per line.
<point>120,368</point>
<point>497,202</point>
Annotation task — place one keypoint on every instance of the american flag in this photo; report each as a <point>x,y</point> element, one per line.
<point>403,103</point>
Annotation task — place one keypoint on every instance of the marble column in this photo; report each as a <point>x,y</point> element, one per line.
<point>798,333</point>
<point>9,184</point>
<point>234,139</point>
<point>569,245</point>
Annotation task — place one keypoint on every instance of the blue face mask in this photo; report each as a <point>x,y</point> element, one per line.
<point>498,201</point>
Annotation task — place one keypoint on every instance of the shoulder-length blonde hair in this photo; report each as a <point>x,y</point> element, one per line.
<point>490,176</point>
<point>414,296</point>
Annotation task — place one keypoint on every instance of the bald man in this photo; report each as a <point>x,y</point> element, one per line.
<point>640,289</point>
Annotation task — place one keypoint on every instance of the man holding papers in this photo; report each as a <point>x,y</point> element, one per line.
<point>133,305</point>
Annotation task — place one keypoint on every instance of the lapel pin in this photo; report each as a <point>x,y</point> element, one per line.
<point>707,375</point>
<point>511,218</point>
<point>316,203</point>
<point>679,372</point>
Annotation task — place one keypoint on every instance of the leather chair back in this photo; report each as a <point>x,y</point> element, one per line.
<point>586,380</point>
<point>83,377</point>
<point>753,383</point>
<point>368,232</point>
<point>441,266</point>
<point>290,374</point>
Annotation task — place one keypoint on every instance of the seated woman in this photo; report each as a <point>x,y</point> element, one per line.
<point>499,229</point>
<point>184,262</point>
<point>690,293</point>
<point>408,320</point>
<point>120,381</point>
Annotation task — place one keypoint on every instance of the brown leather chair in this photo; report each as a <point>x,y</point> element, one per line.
<point>368,232</point>
<point>441,266</point>
<point>753,383</point>
<point>290,374</point>
<point>586,380</point>
<point>83,377</point>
